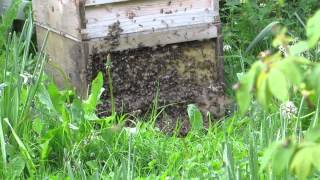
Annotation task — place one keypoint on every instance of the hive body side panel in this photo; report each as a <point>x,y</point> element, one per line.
<point>67,60</point>
<point>60,16</point>
<point>152,18</point>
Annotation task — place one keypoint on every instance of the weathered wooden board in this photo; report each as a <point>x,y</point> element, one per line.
<point>160,37</point>
<point>67,60</point>
<point>98,2</point>
<point>62,16</point>
<point>140,16</point>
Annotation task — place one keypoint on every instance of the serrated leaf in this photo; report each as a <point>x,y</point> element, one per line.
<point>313,27</point>
<point>278,85</point>
<point>195,117</point>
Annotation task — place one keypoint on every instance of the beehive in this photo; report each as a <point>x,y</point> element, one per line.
<point>170,45</point>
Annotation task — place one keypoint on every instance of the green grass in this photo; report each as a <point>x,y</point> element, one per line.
<point>46,133</point>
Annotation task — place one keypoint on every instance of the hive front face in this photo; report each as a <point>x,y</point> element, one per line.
<point>155,47</point>
<point>165,46</point>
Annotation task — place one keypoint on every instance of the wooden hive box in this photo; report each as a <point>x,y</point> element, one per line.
<point>173,42</point>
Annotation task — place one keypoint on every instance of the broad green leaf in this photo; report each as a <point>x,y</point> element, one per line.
<point>45,146</point>
<point>91,103</point>
<point>313,27</point>
<point>299,48</point>
<point>278,85</point>
<point>37,126</point>
<point>262,89</point>
<point>314,78</point>
<point>195,117</point>
<point>45,99</point>
<point>281,158</point>
<point>268,156</point>
<point>291,70</point>
<point>23,149</point>
<point>313,135</point>
<point>93,165</point>
<point>316,157</point>
<point>16,167</point>
<point>243,98</point>
<point>58,98</point>
<point>244,92</point>
<point>301,163</point>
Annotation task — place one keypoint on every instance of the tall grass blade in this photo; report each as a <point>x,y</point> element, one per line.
<point>3,146</point>
<point>70,172</point>
<point>253,159</point>
<point>315,120</point>
<point>23,149</point>
<point>38,73</point>
<point>7,20</point>
<point>264,33</point>
<point>229,162</point>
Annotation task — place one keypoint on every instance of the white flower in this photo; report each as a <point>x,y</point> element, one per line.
<point>2,86</point>
<point>131,131</point>
<point>227,48</point>
<point>288,110</point>
<point>262,5</point>
<point>73,127</point>
<point>283,51</point>
<point>92,155</point>
<point>26,77</point>
<point>295,40</point>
